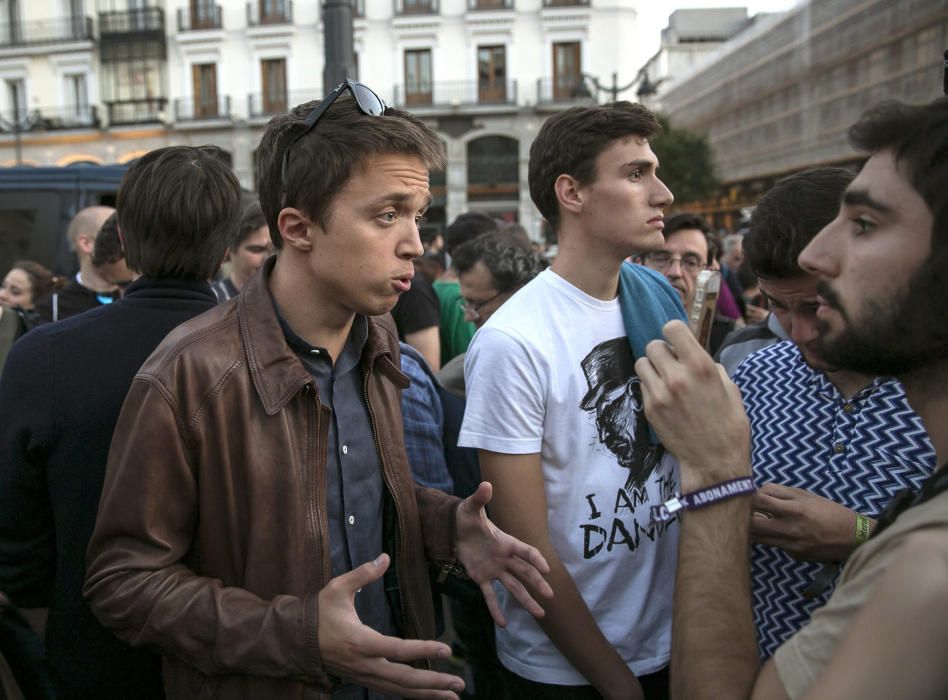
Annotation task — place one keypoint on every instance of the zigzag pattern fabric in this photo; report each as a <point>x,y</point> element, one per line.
<point>858,453</point>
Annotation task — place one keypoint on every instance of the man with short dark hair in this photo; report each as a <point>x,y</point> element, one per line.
<point>280,547</point>
<point>60,396</point>
<point>554,408</point>
<point>88,290</point>
<point>824,472</point>
<point>108,255</point>
<point>684,256</point>
<point>880,268</point>
<point>246,253</point>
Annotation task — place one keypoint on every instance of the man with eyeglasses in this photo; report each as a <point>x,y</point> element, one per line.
<point>684,256</point>
<point>259,523</point>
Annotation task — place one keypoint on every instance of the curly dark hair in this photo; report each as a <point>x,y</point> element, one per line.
<point>510,263</point>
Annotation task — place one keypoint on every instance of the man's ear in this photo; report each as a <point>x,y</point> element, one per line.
<point>85,243</point>
<point>568,194</point>
<point>296,229</point>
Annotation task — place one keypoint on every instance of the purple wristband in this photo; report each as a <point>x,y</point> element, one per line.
<point>704,497</point>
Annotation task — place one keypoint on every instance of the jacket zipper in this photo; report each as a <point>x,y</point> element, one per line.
<point>405,597</point>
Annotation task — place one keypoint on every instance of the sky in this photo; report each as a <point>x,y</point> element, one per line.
<point>653,17</point>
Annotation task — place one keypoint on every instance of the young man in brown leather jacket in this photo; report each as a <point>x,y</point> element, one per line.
<point>258,522</point>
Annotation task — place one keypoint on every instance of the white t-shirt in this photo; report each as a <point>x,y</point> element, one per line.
<point>552,372</point>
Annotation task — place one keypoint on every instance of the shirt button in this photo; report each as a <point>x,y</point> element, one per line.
<point>839,448</point>
<point>848,407</point>
<point>352,520</point>
<point>345,449</point>
<point>314,351</point>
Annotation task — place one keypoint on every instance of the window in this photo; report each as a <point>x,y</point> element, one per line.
<point>16,100</point>
<point>493,169</point>
<point>492,73</point>
<point>77,96</point>
<point>272,11</point>
<point>203,15</point>
<point>418,77</point>
<point>204,76</point>
<point>567,77</point>
<point>274,85</point>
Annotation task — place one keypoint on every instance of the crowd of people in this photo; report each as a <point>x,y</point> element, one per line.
<point>290,474</point>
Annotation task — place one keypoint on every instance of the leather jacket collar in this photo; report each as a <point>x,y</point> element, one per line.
<point>278,375</point>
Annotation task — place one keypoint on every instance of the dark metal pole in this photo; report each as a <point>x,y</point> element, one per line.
<point>16,139</point>
<point>340,55</point>
<point>615,87</point>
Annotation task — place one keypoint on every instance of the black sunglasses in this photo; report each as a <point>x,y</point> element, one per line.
<point>366,100</point>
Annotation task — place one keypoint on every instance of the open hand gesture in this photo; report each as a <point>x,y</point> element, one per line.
<point>488,553</point>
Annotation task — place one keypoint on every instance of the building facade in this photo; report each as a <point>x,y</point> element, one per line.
<point>780,96</point>
<point>104,84</point>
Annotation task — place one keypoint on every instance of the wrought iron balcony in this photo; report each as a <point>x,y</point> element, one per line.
<point>270,104</point>
<point>207,17</point>
<point>190,110</point>
<point>51,119</point>
<point>46,31</point>
<point>416,7</point>
<point>562,89</point>
<point>266,13</point>
<point>143,110</point>
<point>490,4</point>
<point>456,93</point>
<point>146,20</point>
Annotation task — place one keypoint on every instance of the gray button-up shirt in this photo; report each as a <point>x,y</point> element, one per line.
<point>353,473</point>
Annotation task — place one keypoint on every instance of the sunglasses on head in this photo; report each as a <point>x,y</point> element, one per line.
<point>366,100</point>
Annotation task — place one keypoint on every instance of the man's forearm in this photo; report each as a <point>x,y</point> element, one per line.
<point>571,627</point>
<point>713,603</point>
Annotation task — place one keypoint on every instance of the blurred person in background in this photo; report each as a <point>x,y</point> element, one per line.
<point>60,396</point>
<point>108,255</point>
<point>250,248</point>
<point>89,289</point>
<point>686,254</point>
<point>26,281</point>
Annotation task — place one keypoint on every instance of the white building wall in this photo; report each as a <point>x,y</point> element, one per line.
<point>603,29</point>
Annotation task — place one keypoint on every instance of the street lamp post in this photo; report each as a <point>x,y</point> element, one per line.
<point>646,86</point>
<point>339,53</point>
<point>21,122</point>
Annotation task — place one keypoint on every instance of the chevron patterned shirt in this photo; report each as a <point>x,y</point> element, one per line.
<point>857,452</point>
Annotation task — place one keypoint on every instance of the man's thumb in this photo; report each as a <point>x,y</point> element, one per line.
<point>363,575</point>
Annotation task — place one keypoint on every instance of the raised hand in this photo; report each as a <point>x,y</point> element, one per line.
<point>357,653</point>
<point>805,525</point>
<point>489,554</point>
<point>695,409</point>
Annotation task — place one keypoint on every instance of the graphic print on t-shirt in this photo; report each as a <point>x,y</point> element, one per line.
<point>615,397</point>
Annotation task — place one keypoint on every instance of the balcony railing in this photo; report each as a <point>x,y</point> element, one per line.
<point>46,31</point>
<point>280,13</point>
<point>457,93</point>
<point>416,7</point>
<point>490,4</point>
<point>562,89</point>
<point>565,3</point>
<point>188,110</point>
<point>209,17</point>
<point>51,119</point>
<point>144,110</point>
<point>267,105</point>
<point>145,20</point>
